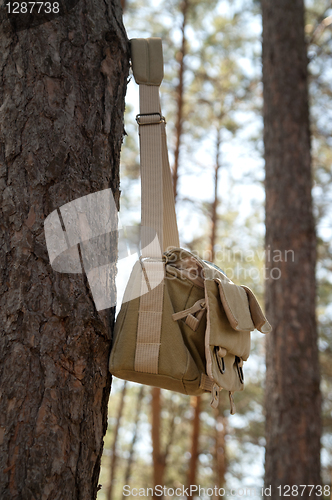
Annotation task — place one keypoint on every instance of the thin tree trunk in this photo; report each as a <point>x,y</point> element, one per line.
<point>192,473</point>
<point>114,456</point>
<point>293,400</point>
<point>220,451</point>
<point>179,93</point>
<point>170,433</point>
<point>157,455</point>
<point>62,93</point>
<point>221,421</point>
<point>134,439</point>
<point>214,211</point>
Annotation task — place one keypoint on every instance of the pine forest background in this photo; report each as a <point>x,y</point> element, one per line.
<point>212,100</point>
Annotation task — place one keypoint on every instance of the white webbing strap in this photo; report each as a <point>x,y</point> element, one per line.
<point>206,383</point>
<point>158,219</point>
<point>151,171</point>
<point>149,318</point>
<point>170,227</point>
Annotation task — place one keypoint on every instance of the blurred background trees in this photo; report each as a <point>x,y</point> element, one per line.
<point>212,99</point>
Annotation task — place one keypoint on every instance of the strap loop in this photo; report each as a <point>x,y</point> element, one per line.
<point>147,60</point>
<point>192,321</point>
<point>232,404</point>
<point>160,119</point>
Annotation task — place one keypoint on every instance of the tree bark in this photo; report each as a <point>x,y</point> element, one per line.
<point>62,93</point>
<point>114,455</point>
<point>293,400</point>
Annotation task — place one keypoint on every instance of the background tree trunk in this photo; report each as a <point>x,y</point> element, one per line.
<point>220,461</point>
<point>215,203</point>
<point>196,402</point>
<point>158,456</point>
<point>179,97</point>
<point>61,115</point>
<point>130,460</point>
<point>292,388</point>
<point>114,456</point>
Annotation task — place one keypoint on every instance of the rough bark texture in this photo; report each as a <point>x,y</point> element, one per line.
<point>62,94</point>
<point>293,398</point>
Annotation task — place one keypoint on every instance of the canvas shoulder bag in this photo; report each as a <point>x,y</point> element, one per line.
<point>183,325</point>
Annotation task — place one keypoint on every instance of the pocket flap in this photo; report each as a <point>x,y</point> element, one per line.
<point>220,332</point>
<point>236,305</point>
<point>260,321</point>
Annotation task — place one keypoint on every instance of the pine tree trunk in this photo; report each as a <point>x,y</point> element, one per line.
<point>61,116</point>
<point>215,204</point>
<point>220,450</point>
<point>157,456</point>
<point>179,93</point>
<point>192,473</point>
<point>293,398</point>
<point>114,456</point>
<point>130,460</point>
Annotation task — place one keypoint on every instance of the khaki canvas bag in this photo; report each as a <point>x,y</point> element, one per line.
<point>183,325</point>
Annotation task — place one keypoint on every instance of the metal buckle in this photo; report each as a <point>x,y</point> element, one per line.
<point>221,365</point>
<point>161,119</point>
<point>239,369</point>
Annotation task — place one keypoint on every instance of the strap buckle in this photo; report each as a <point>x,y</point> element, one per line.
<point>162,119</point>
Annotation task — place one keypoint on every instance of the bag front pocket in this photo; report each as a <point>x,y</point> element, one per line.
<point>229,324</point>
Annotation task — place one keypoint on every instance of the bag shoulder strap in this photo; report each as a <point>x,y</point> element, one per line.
<point>158,207</point>
<point>157,203</point>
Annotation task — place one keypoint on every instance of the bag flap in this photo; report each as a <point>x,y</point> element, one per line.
<point>242,308</point>
<point>220,332</point>
<point>236,305</point>
<point>260,321</point>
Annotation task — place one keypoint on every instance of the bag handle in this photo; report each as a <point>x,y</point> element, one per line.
<point>157,206</point>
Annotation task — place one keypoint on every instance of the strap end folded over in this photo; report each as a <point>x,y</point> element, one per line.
<point>147,60</point>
